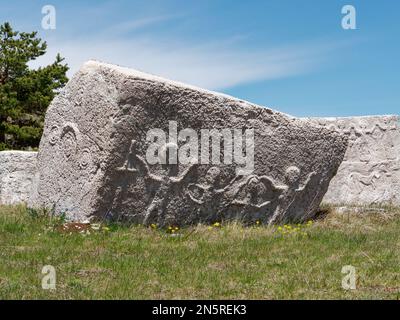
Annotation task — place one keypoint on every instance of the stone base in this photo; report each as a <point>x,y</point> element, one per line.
<point>17,172</point>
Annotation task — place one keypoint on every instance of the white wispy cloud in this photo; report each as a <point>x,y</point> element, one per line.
<point>210,65</point>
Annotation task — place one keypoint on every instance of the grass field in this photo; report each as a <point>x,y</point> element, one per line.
<point>202,262</point>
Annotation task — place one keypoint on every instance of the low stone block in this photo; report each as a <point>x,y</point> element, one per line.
<point>370,171</point>
<point>17,173</point>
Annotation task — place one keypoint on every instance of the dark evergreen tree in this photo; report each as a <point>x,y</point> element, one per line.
<point>25,93</point>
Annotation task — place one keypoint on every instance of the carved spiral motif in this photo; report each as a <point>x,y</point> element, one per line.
<point>85,160</point>
<point>54,135</point>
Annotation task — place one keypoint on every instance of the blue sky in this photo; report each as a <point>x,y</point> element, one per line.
<point>289,55</point>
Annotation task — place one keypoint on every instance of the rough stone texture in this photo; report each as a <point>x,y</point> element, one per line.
<point>370,172</point>
<point>89,166</point>
<point>17,172</point>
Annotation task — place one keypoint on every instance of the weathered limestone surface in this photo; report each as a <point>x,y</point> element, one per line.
<point>370,172</point>
<point>92,156</point>
<point>17,172</point>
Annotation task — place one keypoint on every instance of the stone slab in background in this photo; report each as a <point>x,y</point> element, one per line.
<point>91,156</point>
<point>17,173</point>
<point>370,172</point>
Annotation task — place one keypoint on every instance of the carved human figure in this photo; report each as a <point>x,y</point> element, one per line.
<point>353,132</point>
<point>166,184</point>
<point>292,194</point>
<point>363,125</point>
<point>261,197</point>
<point>388,145</point>
<point>130,162</point>
<point>384,142</point>
<point>206,194</point>
<point>359,147</point>
<point>214,201</point>
<point>390,123</point>
<point>363,149</point>
<point>203,193</point>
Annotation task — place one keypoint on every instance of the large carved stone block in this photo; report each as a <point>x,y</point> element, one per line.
<point>94,154</point>
<point>370,172</point>
<point>17,176</point>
